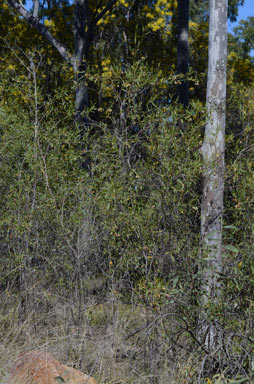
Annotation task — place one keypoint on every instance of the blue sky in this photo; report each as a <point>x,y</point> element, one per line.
<point>243,12</point>
<point>246,10</point>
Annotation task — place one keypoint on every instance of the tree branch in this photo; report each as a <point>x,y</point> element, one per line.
<point>34,22</point>
<point>97,8</point>
<point>110,4</point>
<point>36,8</point>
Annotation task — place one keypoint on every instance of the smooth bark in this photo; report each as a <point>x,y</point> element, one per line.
<point>36,4</point>
<point>213,157</point>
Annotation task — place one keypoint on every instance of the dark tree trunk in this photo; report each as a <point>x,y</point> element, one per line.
<point>183,50</point>
<point>84,25</point>
<point>83,37</point>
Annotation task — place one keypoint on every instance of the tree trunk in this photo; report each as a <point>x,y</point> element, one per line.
<point>183,50</point>
<point>83,36</point>
<point>84,26</point>
<point>213,157</point>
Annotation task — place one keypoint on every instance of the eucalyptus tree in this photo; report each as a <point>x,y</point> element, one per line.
<point>196,10</point>
<point>213,164</point>
<point>199,9</point>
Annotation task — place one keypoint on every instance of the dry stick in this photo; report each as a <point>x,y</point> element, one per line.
<point>186,329</point>
<point>204,361</point>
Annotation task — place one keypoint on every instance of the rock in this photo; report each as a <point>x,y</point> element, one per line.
<point>38,367</point>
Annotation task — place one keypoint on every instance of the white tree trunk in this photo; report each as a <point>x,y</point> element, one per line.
<point>213,157</point>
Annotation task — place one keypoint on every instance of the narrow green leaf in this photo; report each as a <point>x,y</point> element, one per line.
<point>210,234</point>
<point>231,248</point>
<point>230,227</point>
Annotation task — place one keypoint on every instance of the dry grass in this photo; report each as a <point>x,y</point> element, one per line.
<point>114,342</point>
